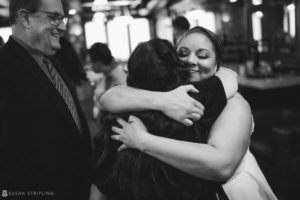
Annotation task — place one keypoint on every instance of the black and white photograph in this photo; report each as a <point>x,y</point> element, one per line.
<point>149,99</point>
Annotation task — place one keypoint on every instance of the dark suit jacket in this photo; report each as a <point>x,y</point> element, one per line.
<point>41,148</point>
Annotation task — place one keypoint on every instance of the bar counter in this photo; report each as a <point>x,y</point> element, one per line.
<point>281,81</point>
<point>280,92</point>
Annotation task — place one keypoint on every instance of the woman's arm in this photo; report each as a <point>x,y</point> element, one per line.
<point>176,104</point>
<point>217,160</point>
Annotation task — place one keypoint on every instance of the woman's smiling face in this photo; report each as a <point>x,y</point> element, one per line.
<point>198,52</point>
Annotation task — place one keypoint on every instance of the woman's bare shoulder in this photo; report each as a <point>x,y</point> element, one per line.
<point>239,102</point>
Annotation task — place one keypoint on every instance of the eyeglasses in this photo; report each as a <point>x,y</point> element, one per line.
<point>55,18</point>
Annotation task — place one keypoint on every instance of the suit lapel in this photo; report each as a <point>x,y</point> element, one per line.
<point>42,81</point>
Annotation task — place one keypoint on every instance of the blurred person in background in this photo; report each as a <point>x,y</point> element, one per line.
<point>44,138</point>
<point>180,25</point>
<point>107,72</point>
<point>71,62</point>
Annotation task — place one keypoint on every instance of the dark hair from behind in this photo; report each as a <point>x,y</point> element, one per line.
<point>100,52</point>
<point>181,23</point>
<point>16,5</point>
<point>134,175</point>
<point>154,65</point>
<point>217,44</point>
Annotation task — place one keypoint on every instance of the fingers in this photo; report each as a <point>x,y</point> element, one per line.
<point>190,88</point>
<point>116,137</point>
<point>122,147</point>
<point>122,122</point>
<point>137,122</point>
<point>132,118</point>
<point>195,110</point>
<point>116,130</point>
<point>187,122</point>
<point>195,116</point>
<point>199,105</point>
<point>191,118</point>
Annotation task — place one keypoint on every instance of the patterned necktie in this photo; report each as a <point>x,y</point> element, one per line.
<point>63,90</point>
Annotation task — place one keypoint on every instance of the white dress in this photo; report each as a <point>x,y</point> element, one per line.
<point>248,182</point>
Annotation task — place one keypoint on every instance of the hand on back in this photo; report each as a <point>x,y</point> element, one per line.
<point>179,106</point>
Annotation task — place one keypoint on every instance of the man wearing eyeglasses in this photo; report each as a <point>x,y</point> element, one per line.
<point>44,140</point>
